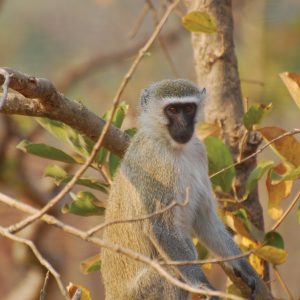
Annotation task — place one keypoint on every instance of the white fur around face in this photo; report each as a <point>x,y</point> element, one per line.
<point>154,121</point>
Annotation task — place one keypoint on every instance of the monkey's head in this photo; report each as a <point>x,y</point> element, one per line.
<point>170,108</point>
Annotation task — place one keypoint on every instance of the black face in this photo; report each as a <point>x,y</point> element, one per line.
<point>181,118</point>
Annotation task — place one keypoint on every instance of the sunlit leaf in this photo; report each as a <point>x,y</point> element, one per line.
<point>201,249</point>
<point>257,263</point>
<point>61,177</point>
<point>119,115</point>
<point>273,255</point>
<point>85,293</point>
<point>287,173</point>
<point>254,114</point>
<point>292,82</point>
<point>234,290</point>
<point>199,21</point>
<point>219,157</point>
<point>262,167</point>
<point>68,135</point>
<point>277,192</point>
<point>91,264</point>
<point>274,239</point>
<point>84,204</point>
<point>287,147</point>
<point>45,151</point>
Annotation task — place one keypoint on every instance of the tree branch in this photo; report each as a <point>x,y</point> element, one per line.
<point>39,98</point>
<point>113,247</point>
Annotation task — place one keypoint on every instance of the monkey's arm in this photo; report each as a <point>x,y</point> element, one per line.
<point>214,235</point>
<point>173,245</point>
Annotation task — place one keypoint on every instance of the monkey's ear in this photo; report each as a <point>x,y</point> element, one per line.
<point>145,96</point>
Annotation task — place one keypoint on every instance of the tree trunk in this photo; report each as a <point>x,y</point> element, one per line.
<point>217,71</point>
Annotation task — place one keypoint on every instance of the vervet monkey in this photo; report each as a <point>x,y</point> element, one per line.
<point>164,159</point>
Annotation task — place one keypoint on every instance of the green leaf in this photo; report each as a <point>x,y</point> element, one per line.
<point>274,239</point>
<point>273,255</point>
<point>84,204</point>
<point>45,151</point>
<point>298,214</point>
<point>68,135</point>
<point>91,264</point>
<point>254,114</point>
<point>131,131</point>
<point>219,157</point>
<point>199,21</point>
<point>290,174</point>
<point>62,177</point>
<point>262,167</point>
<point>113,164</point>
<point>119,115</point>
<point>257,234</point>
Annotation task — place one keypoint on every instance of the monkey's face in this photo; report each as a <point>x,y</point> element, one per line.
<point>181,120</point>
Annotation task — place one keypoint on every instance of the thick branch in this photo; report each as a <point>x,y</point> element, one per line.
<point>38,97</point>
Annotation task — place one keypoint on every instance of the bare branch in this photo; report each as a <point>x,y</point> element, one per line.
<point>139,21</point>
<point>283,284</point>
<point>39,98</point>
<point>43,290</point>
<point>148,216</point>
<point>5,232</point>
<point>114,247</point>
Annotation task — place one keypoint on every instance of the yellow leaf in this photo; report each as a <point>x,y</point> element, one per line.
<point>237,225</point>
<point>85,293</point>
<point>275,256</point>
<point>199,21</point>
<point>257,264</point>
<point>287,147</point>
<point>277,192</point>
<point>292,82</point>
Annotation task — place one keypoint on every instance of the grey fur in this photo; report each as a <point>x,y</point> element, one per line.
<point>154,172</point>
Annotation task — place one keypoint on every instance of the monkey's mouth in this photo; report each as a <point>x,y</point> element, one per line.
<point>181,135</point>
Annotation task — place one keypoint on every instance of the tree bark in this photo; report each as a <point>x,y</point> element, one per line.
<point>217,71</point>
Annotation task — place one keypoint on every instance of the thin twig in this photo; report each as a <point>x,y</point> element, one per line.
<point>139,21</point>
<point>29,220</point>
<point>216,260</point>
<point>288,210</point>
<point>5,86</point>
<point>43,290</point>
<point>161,39</point>
<point>5,232</point>
<point>148,216</point>
<point>293,132</point>
<point>282,282</point>
<point>114,247</point>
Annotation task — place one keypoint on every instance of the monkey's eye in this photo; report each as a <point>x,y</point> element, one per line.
<point>172,109</point>
<point>189,108</point>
